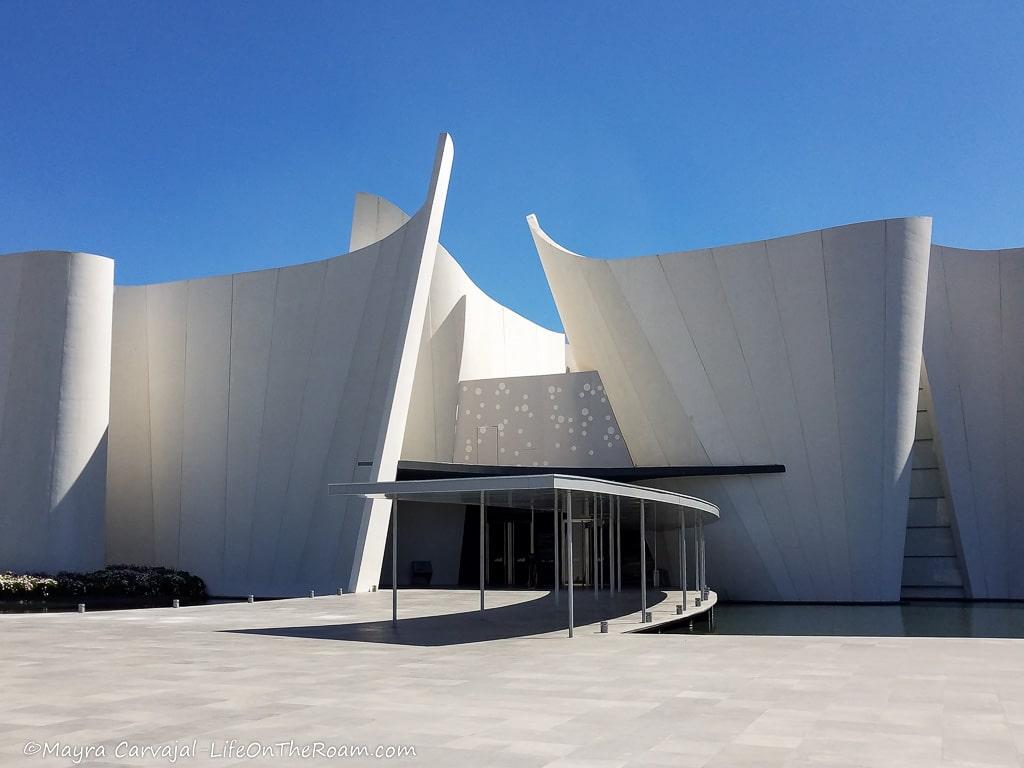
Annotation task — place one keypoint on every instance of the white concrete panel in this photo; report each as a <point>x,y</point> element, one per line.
<point>205,428</point>
<point>10,291</point>
<point>699,291</point>
<point>252,319</point>
<point>908,244</point>
<point>335,339</point>
<point>295,313</point>
<point>855,281</point>
<point>167,308</point>
<point>31,408</point>
<point>78,488</point>
<point>1011,303</point>
<point>644,285</point>
<point>55,374</point>
<point>973,353</point>
<point>798,278</point>
<point>373,219</point>
<point>972,283</point>
<point>950,437</point>
<point>747,281</point>
<point>129,515</point>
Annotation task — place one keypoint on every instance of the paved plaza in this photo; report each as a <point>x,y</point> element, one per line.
<point>509,689</point>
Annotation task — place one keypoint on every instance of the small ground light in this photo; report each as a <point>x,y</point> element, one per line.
<point>647,617</point>
<point>252,599</point>
<point>312,593</point>
<point>679,610</point>
<point>604,627</point>
<point>175,603</point>
<point>341,591</point>
<point>81,607</point>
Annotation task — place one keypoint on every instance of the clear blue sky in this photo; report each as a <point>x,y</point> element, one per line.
<point>197,138</point>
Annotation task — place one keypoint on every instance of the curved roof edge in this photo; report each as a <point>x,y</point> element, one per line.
<point>988,251</point>
<point>540,236</point>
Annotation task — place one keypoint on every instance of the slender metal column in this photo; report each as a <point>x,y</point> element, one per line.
<point>394,563</point>
<point>607,541</point>
<point>483,522</point>
<point>557,551</point>
<point>703,563</point>
<point>611,545</point>
<point>568,544</point>
<point>696,555</point>
<point>593,536</point>
<point>682,550</point>
<point>643,564</point>
<point>655,575</point>
<point>682,523</point>
<point>618,544</point>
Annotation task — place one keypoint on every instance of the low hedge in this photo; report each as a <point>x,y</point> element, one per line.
<point>112,581</point>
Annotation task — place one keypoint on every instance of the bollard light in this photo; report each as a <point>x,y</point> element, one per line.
<point>312,593</point>
<point>252,599</point>
<point>679,610</point>
<point>175,603</point>
<point>604,627</point>
<point>647,617</point>
<point>81,607</point>
<point>341,591</point>
<point>373,588</point>
<point>696,601</point>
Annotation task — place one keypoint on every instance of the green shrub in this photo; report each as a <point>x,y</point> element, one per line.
<point>112,581</point>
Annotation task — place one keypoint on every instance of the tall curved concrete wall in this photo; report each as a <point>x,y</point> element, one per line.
<point>974,355</point>
<point>466,335</point>
<point>801,350</point>
<point>236,399</point>
<point>55,310</point>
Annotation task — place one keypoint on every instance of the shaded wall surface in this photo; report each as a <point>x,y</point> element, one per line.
<point>55,311</point>
<point>237,399</point>
<point>803,351</point>
<point>974,354</point>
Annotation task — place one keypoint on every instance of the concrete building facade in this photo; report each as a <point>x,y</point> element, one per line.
<point>850,398</point>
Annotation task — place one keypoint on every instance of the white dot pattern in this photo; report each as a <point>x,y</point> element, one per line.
<point>564,399</point>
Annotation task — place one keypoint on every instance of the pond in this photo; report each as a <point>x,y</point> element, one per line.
<point>914,618</point>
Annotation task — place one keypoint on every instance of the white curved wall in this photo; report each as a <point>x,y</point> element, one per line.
<point>974,355</point>
<point>237,399</point>
<point>801,350</point>
<point>466,335</point>
<point>55,310</point>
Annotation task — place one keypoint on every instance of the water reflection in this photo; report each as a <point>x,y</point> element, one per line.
<point>908,619</point>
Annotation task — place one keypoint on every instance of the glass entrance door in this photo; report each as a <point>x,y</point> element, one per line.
<point>508,559</point>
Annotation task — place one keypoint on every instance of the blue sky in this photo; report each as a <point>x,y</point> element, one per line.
<point>198,138</point>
